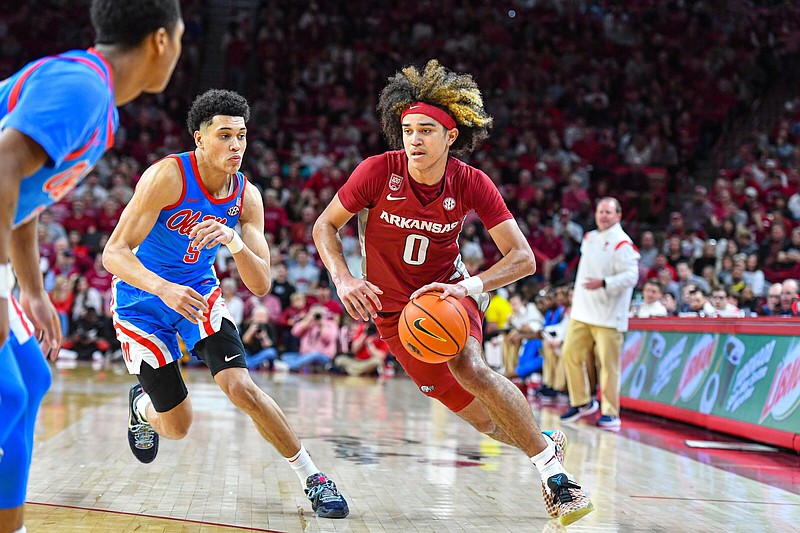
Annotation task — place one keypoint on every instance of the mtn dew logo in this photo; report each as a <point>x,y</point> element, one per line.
<point>784,393</point>
<point>696,367</point>
<point>630,353</point>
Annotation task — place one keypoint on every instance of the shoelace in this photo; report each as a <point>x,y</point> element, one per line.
<point>320,489</point>
<point>143,435</point>
<point>563,494</point>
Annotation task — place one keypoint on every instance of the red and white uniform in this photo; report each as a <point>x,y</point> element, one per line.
<point>407,241</point>
<point>409,238</point>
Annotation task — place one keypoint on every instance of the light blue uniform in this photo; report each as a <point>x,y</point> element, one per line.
<point>144,324</point>
<point>66,104</point>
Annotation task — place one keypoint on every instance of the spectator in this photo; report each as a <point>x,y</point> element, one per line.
<point>754,276</point>
<point>259,339</point>
<point>670,303</point>
<point>281,287</point>
<point>789,297</point>
<point>773,303</point>
<point>686,277</point>
<point>86,297</point>
<point>648,250</point>
<point>318,334</point>
<point>652,306</point>
<point>289,317</point>
<point>699,304</point>
<point>554,330</point>
<point>90,336</point>
<point>698,211</point>
<point>369,352</point>
<point>667,284</point>
<point>322,296</point>
<point>524,323</point>
<point>723,307</point>
<point>569,231</point>
<point>302,273</point>
<point>63,296</point>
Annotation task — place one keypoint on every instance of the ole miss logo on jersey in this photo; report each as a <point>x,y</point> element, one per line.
<point>185,220</point>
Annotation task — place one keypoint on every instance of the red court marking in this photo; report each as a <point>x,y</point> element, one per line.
<point>182,520</point>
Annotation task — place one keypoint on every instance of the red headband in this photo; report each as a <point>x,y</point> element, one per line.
<point>432,111</point>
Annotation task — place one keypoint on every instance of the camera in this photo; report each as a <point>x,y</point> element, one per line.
<point>317,316</point>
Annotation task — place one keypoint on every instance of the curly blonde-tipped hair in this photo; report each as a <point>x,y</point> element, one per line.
<point>457,94</point>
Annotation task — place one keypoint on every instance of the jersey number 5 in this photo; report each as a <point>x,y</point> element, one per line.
<point>416,249</point>
<point>192,254</point>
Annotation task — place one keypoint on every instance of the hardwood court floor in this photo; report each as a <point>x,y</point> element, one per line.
<point>404,463</point>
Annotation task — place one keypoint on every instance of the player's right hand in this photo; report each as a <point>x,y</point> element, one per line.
<point>360,298</point>
<point>186,301</point>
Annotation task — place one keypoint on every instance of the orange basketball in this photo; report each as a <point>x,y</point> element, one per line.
<point>433,330</point>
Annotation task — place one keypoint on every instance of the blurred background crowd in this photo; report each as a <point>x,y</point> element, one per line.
<point>684,111</point>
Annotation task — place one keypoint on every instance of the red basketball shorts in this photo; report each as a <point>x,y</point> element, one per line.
<point>434,380</point>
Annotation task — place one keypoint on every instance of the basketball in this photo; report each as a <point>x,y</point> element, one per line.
<point>433,330</point>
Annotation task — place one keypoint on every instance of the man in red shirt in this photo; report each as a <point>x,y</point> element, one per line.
<point>412,203</point>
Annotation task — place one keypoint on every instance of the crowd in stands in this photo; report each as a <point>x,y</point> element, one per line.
<point>589,99</point>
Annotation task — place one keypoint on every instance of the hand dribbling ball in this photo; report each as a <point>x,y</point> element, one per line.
<point>433,330</point>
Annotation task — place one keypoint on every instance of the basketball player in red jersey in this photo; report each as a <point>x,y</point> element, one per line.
<point>411,204</point>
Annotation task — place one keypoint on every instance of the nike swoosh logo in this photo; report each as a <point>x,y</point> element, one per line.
<point>393,198</point>
<point>420,327</point>
<point>232,357</point>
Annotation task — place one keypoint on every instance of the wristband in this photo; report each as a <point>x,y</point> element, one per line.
<point>236,244</point>
<point>7,280</point>
<point>473,284</point>
<point>604,283</point>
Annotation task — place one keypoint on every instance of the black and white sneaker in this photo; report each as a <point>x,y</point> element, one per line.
<point>142,438</point>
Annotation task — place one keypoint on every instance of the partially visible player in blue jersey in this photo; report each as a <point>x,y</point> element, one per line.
<point>58,116</point>
<point>162,255</point>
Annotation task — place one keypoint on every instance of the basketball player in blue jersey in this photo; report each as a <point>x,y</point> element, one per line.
<point>58,116</point>
<point>162,255</point>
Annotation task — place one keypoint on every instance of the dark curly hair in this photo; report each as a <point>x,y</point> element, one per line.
<point>216,102</point>
<point>126,23</point>
<point>458,94</point>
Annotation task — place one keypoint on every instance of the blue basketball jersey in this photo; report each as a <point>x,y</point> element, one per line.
<point>167,250</point>
<point>66,104</point>
<point>144,324</point>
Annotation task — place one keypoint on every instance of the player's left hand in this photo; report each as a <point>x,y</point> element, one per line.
<point>43,314</point>
<point>448,289</point>
<point>210,233</point>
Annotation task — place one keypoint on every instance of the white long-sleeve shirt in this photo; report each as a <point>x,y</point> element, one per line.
<point>611,256</point>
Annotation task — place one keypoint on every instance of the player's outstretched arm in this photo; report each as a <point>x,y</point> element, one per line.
<point>359,297</point>
<point>161,185</point>
<point>20,156</point>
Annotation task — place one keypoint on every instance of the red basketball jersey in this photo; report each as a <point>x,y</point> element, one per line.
<point>408,244</point>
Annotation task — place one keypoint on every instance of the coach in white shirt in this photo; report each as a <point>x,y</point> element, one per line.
<point>607,273</point>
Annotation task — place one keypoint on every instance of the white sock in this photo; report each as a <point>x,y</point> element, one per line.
<point>302,465</point>
<point>141,404</point>
<point>547,462</point>
<point>23,529</point>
